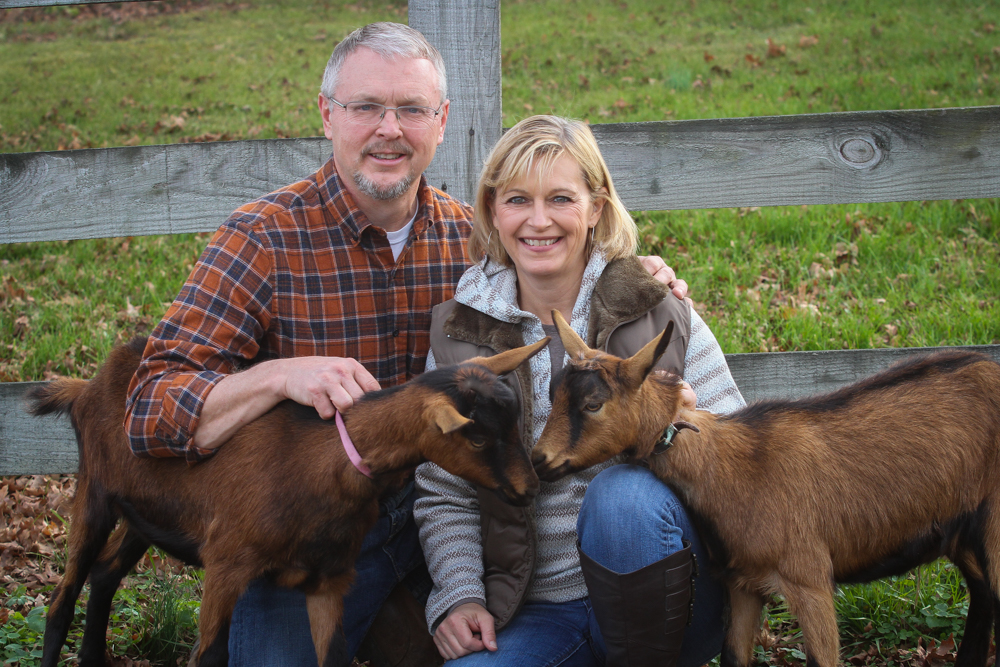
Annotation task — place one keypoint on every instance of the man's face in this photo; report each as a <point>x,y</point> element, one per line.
<point>384,161</point>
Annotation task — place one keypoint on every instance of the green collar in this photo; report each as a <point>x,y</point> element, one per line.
<point>666,440</point>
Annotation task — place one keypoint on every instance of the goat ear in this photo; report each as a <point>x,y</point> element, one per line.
<point>507,361</point>
<point>574,345</point>
<point>639,365</point>
<point>447,418</point>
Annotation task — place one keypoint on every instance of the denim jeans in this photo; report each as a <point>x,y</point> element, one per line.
<point>629,519</point>
<point>270,625</point>
<point>544,634</point>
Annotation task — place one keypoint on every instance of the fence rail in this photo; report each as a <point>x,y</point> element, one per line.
<point>834,158</point>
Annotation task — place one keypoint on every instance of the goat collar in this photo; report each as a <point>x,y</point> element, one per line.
<point>352,451</point>
<point>666,440</point>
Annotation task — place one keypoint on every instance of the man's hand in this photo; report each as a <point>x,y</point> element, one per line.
<point>659,270</point>
<point>326,383</point>
<point>467,629</point>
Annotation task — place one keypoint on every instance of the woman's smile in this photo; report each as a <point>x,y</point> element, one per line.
<point>544,220</point>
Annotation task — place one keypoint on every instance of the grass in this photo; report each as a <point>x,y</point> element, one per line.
<point>154,616</point>
<point>782,278</point>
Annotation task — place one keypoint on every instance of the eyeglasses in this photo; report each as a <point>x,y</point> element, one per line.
<point>369,113</point>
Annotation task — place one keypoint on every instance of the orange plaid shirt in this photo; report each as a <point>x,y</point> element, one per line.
<point>299,272</point>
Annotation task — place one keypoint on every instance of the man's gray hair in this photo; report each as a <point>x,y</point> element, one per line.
<point>389,40</point>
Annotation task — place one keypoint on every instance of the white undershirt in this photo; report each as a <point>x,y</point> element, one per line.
<point>397,239</point>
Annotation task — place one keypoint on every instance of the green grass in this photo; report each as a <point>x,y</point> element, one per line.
<point>786,278</point>
<point>154,616</point>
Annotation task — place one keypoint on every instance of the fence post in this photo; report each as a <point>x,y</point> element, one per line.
<point>468,36</point>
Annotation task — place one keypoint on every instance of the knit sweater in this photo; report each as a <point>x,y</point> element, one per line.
<point>447,509</point>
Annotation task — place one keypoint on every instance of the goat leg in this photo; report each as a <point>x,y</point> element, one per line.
<point>122,552</point>
<point>975,647</point>
<point>225,581</point>
<point>813,606</point>
<point>742,626</point>
<point>325,605</point>
<point>93,522</point>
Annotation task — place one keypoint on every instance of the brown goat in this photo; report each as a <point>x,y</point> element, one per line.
<point>791,497</point>
<point>280,499</point>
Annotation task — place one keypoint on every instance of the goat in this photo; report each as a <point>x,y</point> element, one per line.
<point>280,499</point>
<point>791,497</point>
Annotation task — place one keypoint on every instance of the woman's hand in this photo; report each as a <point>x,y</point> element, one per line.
<point>659,270</point>
<point>467,629</point>
<point>689,399</point>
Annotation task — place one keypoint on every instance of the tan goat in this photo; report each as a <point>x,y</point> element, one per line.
<point>280,499</point>
<point>791,497</point>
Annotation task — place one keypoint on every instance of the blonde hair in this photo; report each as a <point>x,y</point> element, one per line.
<point>538,142</point>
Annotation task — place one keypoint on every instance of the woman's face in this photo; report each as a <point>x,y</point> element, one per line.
<point>544,223</point>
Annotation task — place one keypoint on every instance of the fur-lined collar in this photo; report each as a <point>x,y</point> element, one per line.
<point>624,292</point>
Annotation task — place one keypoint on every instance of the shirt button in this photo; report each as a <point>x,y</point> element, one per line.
<point>395,332</point>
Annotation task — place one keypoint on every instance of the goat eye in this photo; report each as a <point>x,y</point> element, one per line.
<point>478,442</point>
<point>593,407</point>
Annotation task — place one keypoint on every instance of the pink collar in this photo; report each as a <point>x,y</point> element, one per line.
<point>352,451</point>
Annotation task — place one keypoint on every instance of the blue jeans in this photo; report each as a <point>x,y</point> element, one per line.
<point>270,625</point>
<point>629,519</point>
<point>545,634</point>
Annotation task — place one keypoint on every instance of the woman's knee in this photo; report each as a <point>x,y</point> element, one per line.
<point>628,513</point>
<point>629,491</point>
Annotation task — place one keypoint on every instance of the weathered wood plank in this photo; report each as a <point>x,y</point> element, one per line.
<point>868,156</point>
<point>801,374</point>
<point>780,160</point>
<point>468,37</point>
<point>13,4</point>
<point>32,445</point>
<point>142,190</point>
<point>46,445</point>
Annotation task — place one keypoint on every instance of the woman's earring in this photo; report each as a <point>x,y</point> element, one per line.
<point>591,239</point>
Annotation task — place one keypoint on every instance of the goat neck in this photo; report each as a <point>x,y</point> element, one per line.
<point>708,462</point>
<point>387,434</point>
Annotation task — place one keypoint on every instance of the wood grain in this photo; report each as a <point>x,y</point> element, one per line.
<point>779,160</point>
<point>468,37</point>
<point>12,4</point>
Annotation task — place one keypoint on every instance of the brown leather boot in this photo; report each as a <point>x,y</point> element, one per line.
<point>398,636</point>
<point>642,614</point>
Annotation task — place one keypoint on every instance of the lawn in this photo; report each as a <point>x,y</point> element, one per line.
<point>766,279</point>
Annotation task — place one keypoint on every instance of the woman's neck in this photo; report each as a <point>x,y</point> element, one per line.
<point>540,295</point>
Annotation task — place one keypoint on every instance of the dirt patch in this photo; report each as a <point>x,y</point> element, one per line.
<point>32,532</point>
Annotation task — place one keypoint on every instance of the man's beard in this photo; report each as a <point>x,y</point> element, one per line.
<point>383,192</point>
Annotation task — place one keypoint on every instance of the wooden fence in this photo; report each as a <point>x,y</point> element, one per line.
<point>876,156</point>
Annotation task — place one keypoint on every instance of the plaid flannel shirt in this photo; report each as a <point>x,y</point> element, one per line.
<point>299,272</point>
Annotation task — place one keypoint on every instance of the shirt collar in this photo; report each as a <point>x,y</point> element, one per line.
<point>347,213</point>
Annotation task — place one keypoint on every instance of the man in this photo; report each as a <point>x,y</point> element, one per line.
<point>326,286</point>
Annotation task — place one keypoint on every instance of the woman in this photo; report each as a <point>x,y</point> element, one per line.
<point>550,233</point>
